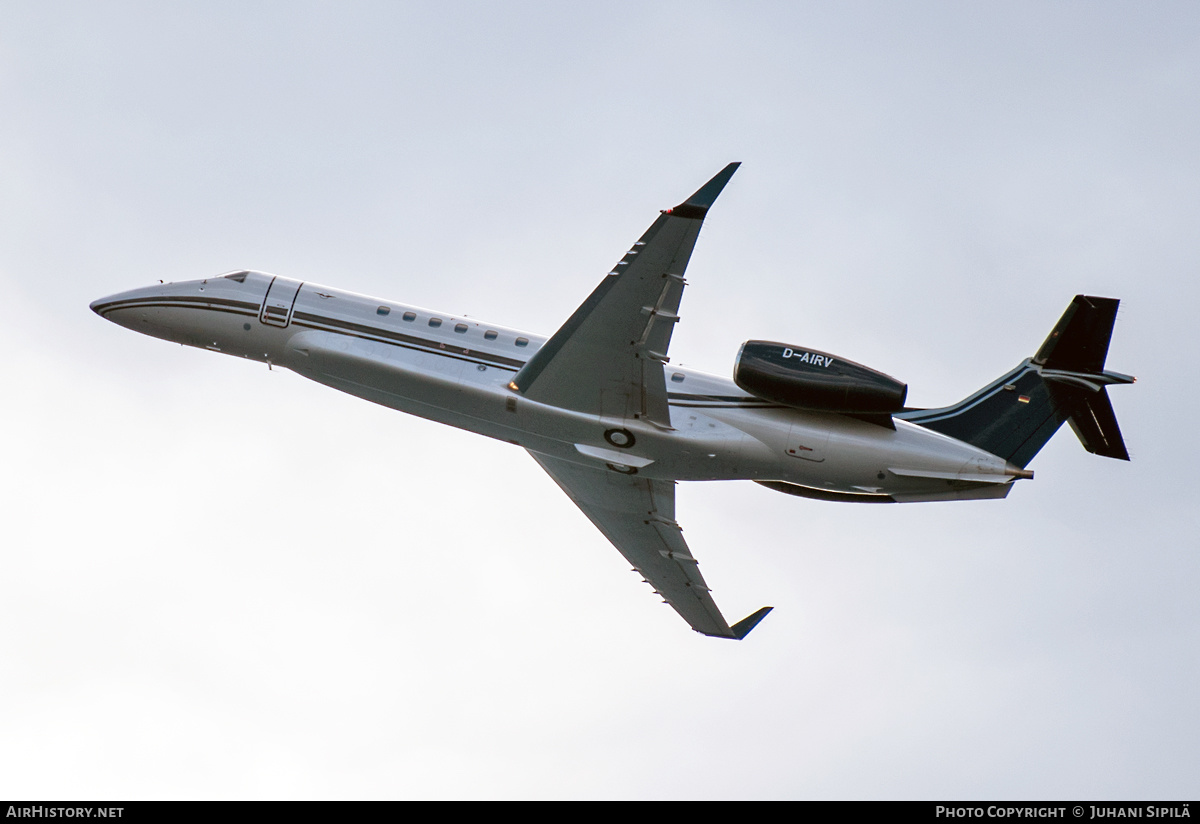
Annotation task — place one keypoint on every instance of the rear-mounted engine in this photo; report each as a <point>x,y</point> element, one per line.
<point>808,379</point>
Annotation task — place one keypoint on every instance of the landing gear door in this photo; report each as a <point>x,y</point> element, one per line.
<point>281,298</point>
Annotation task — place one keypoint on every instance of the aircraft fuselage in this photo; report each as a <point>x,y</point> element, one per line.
<point>457,371</point>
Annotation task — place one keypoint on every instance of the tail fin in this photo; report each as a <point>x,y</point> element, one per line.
<point>1016,415</point>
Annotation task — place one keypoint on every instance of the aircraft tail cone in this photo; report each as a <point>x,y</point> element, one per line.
<point>1018,472</point>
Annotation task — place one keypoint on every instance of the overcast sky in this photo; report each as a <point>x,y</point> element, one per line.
<point>227,582</point>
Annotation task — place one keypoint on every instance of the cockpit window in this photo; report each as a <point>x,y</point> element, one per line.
<point>240,277</point>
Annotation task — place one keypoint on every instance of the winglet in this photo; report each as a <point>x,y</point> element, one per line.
<point>698,204</point>
<point>742,628</point>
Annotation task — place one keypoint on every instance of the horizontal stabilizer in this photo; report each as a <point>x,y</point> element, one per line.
<point>1093,419</point>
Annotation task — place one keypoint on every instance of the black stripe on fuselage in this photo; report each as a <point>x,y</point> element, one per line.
<point>319,323</point>
<point>359,330</point>
<point>923,416</point>
<point>237,307</point>
<point>322,323</point>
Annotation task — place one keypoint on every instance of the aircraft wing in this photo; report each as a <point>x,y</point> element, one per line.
<point>607,358</point>
<point>638,516</point>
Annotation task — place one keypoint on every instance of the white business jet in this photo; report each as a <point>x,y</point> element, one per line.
<point>598,406</point>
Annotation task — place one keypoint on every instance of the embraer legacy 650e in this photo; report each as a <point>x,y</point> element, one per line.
<point>597,406</point>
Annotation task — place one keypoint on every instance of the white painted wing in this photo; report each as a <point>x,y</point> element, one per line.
<point>607,359</point>
<point>638,516</point>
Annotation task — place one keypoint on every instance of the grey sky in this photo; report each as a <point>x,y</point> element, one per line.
<point>227,582</point>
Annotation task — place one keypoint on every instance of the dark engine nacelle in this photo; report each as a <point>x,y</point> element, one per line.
<point>808,379</point>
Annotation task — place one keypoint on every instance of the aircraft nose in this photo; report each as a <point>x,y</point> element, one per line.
<point>119,307</point>
<point>103,306</point>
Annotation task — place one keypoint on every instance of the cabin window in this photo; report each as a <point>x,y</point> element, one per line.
<point>383,310</point>
<point>460,328</point>
<point>435,322</point>
<point>409,316</point>
<point>490,334</point>
<point>522,341</point>
<point>677,377</point>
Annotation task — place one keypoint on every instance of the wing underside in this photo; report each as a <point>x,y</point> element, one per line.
<point>638,516</point>
<point>607,359</point>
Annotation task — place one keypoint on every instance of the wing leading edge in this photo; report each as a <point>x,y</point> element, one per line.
<point>638,516</point>
<point>607,359</point>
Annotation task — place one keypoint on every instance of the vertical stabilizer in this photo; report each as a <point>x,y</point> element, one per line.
<point>1079,341</point>
<point>1015,415</point>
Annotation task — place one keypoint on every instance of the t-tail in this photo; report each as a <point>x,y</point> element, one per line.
<point>1016,415</point>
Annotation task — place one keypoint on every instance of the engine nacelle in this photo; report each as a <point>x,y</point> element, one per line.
<point>808,379</point>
